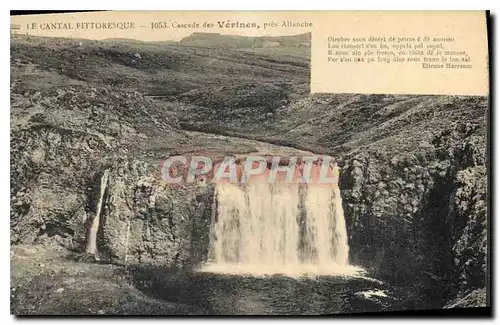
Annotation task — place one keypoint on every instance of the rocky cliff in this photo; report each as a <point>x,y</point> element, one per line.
<point>63,143</point>
<point>420,218</point>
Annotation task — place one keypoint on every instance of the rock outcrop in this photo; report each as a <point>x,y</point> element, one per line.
<point>420,218</point>
<point>62,145</point>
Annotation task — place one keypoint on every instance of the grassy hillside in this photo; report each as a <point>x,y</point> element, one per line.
<point>234,41</point>
<point>260,93</point>
<point>151,68</point>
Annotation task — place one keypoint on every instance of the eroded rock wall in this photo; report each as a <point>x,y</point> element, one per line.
<point>56,169</point>
<point>419,218</point>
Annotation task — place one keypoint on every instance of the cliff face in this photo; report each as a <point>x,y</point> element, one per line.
<point>145,220</point>
<point>63,143</point>
<point>420,218</point>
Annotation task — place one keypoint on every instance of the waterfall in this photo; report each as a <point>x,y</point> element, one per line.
<point>292,229</point>
<point>92,237</point>
<point>341,247</point>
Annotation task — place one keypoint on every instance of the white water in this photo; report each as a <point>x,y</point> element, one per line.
<point>92,238</point>
<point>266,228</point>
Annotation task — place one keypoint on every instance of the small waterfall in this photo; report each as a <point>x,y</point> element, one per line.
<point>341,247</point>
<point>258,229</point>
<point>92,237</point>
<point>231,211</point>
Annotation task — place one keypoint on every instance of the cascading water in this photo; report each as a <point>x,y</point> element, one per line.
<point>279,228</point>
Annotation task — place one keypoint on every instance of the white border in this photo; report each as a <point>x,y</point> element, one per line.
<point>258,5</point>
<point>197,5</point>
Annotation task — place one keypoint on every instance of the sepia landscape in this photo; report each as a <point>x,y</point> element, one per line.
<point>95,230</point>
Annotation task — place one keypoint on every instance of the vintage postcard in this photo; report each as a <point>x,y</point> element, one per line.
<point>249,162</point>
